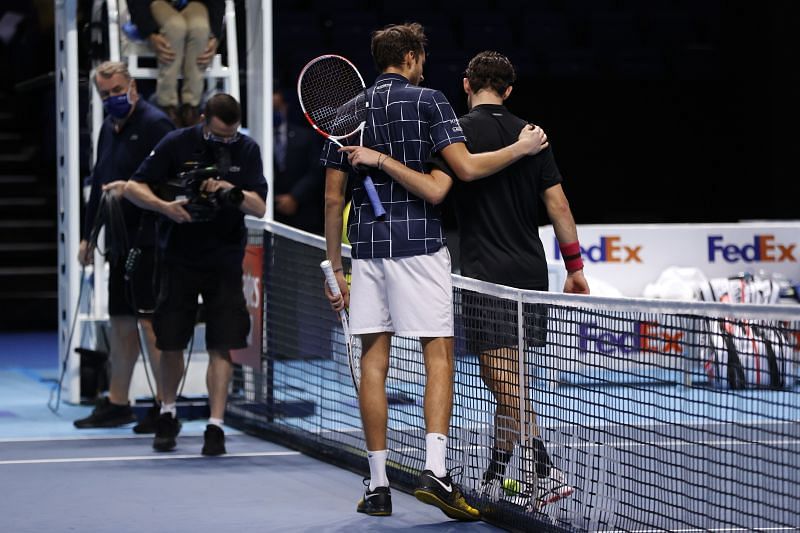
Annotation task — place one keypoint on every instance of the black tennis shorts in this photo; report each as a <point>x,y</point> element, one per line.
<point>226,317</point>
<point>134,295</point>
<point>491,322</point>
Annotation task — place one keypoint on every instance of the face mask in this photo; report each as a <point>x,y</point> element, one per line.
<point>118,106</point>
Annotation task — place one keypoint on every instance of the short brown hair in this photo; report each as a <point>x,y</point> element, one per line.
<point>490,70</point>
<point>108,69</point>
<point>391,44</point>
<point>224,107</point>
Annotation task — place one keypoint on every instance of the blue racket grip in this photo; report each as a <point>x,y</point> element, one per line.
<point>377,206</point>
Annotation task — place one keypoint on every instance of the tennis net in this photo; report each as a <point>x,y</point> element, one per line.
<point>652,415</point>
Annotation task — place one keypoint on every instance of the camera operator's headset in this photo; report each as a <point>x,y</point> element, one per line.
<point>109,213</point>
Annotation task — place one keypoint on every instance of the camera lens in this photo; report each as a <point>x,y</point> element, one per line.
<point>231,197</point>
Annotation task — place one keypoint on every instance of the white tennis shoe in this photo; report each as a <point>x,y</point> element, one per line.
<point>553,488</point>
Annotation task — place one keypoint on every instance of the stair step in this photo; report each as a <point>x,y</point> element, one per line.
<point>20,185</point>
<point>20,161</point>
<point>31,206</point>
<point>27,223</point>
<point>28,230</point>
<point>9,136</point>
<point>29,201</point>
<point>26,279</point>
<point>7,120</point>
<point>37,295</point>
<point>27,246</point>
<point>17,178</point>
<point>27,271</point>
<point>18,254</point>
<point>12,142</point>
<point>26,154</point>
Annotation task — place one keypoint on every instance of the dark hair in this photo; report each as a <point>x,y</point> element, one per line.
<point>490,70</point>
<point>224,107</point>
<point>391,44</point>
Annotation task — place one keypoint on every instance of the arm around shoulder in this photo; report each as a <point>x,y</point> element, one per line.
<point>471,167</point>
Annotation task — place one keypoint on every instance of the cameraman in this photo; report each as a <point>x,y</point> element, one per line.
<point>201,237</point>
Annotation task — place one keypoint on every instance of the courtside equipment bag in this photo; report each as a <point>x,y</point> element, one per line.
<point>746,355</point>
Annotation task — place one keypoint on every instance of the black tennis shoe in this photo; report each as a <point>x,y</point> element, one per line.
<point>107,415</point>
<point>213,440</point>
<point>441,492</point>
<point>376,502</point>
<point>167,429</point>
<point>147,423</point>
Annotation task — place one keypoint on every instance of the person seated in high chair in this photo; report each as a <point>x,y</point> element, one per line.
<point>184,35</point>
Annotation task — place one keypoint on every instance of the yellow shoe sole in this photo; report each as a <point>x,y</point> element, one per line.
<point>453,512</point>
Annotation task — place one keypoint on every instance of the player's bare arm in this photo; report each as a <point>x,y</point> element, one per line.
<point>335,182</point>
<point>557,205</point>
<point>142,195</point>
<point>471,167</point>
<point>432,188</point>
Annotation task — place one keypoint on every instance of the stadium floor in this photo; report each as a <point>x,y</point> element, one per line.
<point>56,478</point>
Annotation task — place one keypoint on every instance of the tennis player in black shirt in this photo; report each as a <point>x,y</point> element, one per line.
<point>498,219</point>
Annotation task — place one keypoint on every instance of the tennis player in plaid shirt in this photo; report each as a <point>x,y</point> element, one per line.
<point>401,267</point>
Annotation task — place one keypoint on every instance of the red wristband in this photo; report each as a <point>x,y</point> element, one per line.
<point>571,254</point>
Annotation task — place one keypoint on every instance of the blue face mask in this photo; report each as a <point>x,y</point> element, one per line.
<point>118,106</point>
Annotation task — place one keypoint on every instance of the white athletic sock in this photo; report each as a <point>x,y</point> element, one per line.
<point>377,469</point>
<point>215,422</point>
<point>435,453</point>
<point>169,408</point>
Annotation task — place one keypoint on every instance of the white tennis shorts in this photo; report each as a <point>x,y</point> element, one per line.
<point>409,296</point>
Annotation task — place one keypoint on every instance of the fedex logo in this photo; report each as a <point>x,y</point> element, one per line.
<point>609,250</point>
<point>763,248</point>
<point>645,337</point>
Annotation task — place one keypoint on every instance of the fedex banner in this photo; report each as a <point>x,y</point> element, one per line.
<point>252,269</point>
<point>630,256</point>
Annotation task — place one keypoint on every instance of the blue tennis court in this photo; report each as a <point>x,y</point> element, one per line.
<point>56,478</point>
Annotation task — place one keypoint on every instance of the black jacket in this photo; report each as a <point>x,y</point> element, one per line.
<point>303,178</point>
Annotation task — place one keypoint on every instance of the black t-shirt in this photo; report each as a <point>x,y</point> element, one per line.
<point>219,242</point>
<point>498,215</point>
<point>118,156</point>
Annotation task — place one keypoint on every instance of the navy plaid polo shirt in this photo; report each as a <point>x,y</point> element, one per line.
<point>409,123</point>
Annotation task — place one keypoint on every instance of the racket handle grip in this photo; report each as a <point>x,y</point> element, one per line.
<point>377,206</point>
<point>330,277</point>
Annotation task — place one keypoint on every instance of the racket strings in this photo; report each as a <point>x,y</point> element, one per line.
<point>332,94</point>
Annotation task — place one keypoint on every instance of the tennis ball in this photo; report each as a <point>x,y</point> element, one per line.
<point>512,487</point>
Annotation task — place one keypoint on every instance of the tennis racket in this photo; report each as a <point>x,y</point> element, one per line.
<point>353,342</point>
<point>333,98</point>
